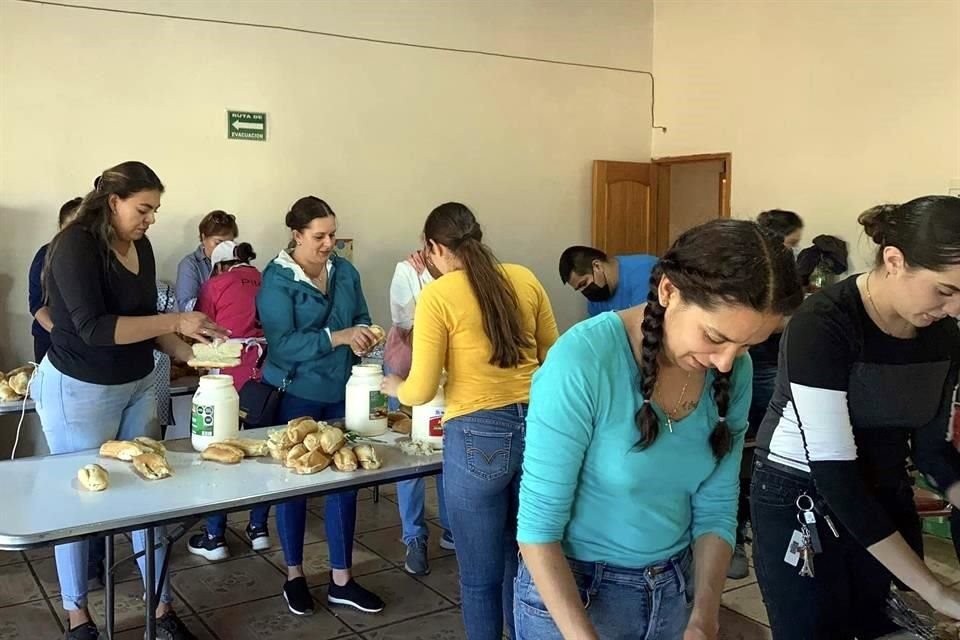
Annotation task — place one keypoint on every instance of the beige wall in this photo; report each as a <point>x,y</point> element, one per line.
<point>384,133</point>
<point>827,107</point>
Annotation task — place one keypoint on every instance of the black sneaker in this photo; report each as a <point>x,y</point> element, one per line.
<point>86,631</point>
<point>209,547</point>
<point>170,627</point>
<point>259,537</point>
<point>298,597</point>
<point>353,595</point>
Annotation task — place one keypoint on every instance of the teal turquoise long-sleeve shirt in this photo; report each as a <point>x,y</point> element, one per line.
<point>584,482</point>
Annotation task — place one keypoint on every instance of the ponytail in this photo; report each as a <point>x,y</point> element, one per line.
<point>454,226</point>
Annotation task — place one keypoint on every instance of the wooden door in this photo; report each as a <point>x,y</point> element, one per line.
<point>624,218</point>
<point>690,190</point>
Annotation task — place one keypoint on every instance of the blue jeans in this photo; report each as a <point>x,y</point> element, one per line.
<point>411,497</point>
<point>217,525</point>
<point>482,456</point>
<point>79,415</point>
<point>650,603</point>
<point>340,509</point>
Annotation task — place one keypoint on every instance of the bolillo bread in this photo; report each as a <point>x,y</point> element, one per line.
<point>367,456</point>
<point>20,383</point>
<point>295,453</point>
<point>6,393</point>
<point>93,477</point>
<point>312,441</point>
<point>151,446</point>
<point>301,430</point>
<point>312,462</point>
<point>345,459</point>
<point>331,440</point>
<point>216,355</point>
<point>121,450</point>
<point>251,448</point>
<point>152,466</point>
<point>222,453</point>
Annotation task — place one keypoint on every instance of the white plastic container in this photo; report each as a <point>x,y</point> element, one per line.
<point>427,421</point>
<point>366,406</point>
<point>216,412</point>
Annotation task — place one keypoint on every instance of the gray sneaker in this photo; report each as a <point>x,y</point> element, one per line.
<point>739,568</point>
<point>416,560</point>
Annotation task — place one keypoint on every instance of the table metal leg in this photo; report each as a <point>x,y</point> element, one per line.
<point>376,494</point>
<point>150,582</point>
<point>108,586</point>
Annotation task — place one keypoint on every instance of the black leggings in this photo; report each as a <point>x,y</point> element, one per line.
<point>847,597</point>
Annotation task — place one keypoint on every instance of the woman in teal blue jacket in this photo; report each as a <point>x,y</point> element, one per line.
<point>314,318</point>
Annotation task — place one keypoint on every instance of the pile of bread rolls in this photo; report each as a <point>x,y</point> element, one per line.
<point>308,446</point>
<point>15,385</point>
<point>148,456</point>
<point>234,450</point>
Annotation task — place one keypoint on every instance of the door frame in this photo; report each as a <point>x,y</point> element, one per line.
<point>660,174</point>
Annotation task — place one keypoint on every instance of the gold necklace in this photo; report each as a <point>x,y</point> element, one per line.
<point>676,409</point>
<point>875,309</point>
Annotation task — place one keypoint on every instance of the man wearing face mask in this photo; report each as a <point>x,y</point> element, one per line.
<point>609,284</point>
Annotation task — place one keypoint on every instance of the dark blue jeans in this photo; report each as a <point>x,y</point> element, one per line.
<point>482,456</point>
<point>340,509</point>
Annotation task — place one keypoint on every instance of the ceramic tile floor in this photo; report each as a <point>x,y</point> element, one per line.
<point>238,599</point>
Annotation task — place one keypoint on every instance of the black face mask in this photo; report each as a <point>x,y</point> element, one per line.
<point>595,293</point>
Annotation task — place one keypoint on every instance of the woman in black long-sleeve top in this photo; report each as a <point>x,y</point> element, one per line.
<point>866,379</point>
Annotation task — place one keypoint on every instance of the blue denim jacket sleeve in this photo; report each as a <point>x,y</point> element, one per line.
<point>715,502</point>
<point>189,280</point>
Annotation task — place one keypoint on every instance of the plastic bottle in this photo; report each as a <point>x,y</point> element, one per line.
<point>216,412</point>
<point>427,421</point>
<point>366,406</point>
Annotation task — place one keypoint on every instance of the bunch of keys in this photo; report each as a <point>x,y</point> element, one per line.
<point>806,543</point>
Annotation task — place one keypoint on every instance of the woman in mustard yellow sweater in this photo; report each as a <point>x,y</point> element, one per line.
<point>489,325</point>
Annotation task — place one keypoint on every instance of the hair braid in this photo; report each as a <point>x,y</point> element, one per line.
<point>646,418</point>
<point>721,438</point>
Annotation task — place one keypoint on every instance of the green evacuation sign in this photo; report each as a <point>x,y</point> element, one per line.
<point>246,125</point>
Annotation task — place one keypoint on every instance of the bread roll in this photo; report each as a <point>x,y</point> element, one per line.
<point>367,456</point>
<point>301,430</point>
<point>20,383</point>
<point>151,446</point>
<point>27,369</point>
<point>294,454</point>
<point>403,427</point>
<point>251,448</point>
<point>312,462</point>
<point>6,393</point>
<point>345,459</point>
<point>278,451</point>
<point>331,440</point>
<point>216,355</point>
<point>121,450</point>
<point>93,477</point>
<point>312,441</point>
<point>152,466</point>
<point>222,453</point>
<point>378,331</point>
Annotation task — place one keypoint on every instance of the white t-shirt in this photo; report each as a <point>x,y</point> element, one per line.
<point>405,290</point>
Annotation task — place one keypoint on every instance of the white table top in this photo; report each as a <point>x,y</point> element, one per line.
<point>178,387</point>
<point>43,502</point>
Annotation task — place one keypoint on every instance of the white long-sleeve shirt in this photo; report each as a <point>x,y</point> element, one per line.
<point>405,290</point>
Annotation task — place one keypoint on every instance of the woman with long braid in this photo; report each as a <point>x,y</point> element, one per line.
<point>634,438</point>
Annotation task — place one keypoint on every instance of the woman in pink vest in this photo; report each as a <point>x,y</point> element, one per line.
<point>230,295</point>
